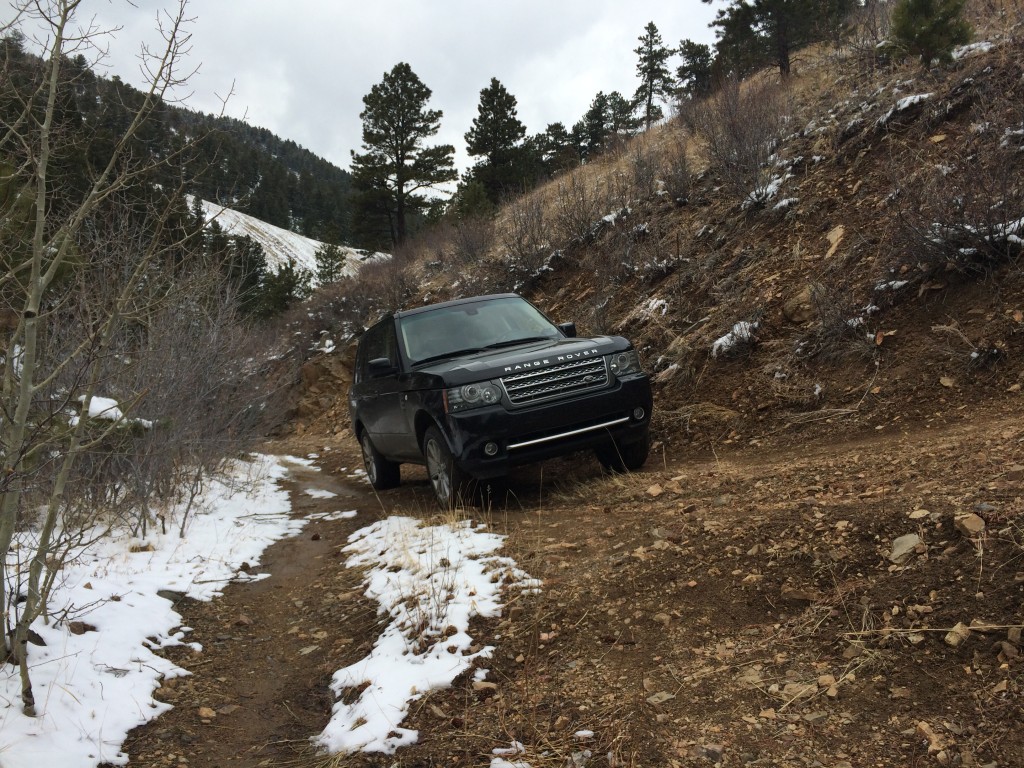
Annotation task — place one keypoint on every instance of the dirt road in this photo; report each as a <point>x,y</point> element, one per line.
<point>744,609</point>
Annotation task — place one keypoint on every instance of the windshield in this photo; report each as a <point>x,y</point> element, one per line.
<point>466,328</point>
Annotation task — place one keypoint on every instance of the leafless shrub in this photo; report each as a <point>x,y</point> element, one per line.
<point>675,170</point>
<point>386,283</point>
<point>472,239</point>
<point>967,212</point>
<point>525,235</point>
<point>869,25</point>
<point>643,170</point>
<point>741,127</point>
<point>577,210</point>
<point>842,331</point>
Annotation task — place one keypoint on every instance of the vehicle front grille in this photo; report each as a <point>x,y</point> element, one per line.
<point>556,381</point>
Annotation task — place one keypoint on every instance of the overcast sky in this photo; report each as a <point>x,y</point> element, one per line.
<point>301,67</point>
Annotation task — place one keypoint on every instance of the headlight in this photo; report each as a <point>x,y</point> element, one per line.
<point>622,363</point>
<point>472,396</point>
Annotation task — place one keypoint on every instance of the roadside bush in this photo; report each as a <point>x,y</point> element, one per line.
<point>525,235</point>
<point>676,173</point>
<point>967,212</point>
<point>740,128</point>
<point>577,210</point>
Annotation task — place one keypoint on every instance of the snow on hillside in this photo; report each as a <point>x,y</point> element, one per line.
<point>279,244</point>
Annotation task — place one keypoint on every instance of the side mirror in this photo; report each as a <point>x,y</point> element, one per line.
<point>569,329</point>
<point>381,366</point>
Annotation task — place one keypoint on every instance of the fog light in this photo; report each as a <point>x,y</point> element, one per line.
<point>639,413</point>
<point>491,449</point>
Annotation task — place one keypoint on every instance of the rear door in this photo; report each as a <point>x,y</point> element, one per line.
<point>378,396</point>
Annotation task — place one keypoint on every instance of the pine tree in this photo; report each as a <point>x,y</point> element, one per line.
<point>496,136</point>
<point>656,81</point>
<point>395,165</point>
<point>930,29</point>
<point>694,74</point>
<point>330,264</point>
<point>752,33</point>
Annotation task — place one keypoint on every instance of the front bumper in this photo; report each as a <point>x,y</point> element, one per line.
<point>552,429</point>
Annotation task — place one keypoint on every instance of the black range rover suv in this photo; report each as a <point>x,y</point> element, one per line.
<point>474,386</point>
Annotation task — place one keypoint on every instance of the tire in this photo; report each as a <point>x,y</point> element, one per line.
<point>624,457</point>
<point>451,485</point>
<point>382,474</point>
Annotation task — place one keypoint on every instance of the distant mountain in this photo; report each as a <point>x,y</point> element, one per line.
<point>256,172</point>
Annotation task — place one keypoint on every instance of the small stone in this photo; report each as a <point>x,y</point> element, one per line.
<point>663,619</point>
<point>206,713</point>
<point>853,650</point>
<point>935,742</point>
<point>660,697</point>
<point>713,752</point>
<point>242,621</point>
<point>904,548</point>
<point>799,690</point>
<point>958,635</point>
<point>484,685</point>
<point>970,525</point>
<point>655,491</point>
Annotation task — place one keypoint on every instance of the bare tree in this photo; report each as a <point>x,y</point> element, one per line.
<point>65,341</point>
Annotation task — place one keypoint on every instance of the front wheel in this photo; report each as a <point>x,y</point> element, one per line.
<point>624,457</point>
<point>451,485</point>
<point>381,473</point>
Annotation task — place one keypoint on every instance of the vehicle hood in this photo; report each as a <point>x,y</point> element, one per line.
<point>531,356</point>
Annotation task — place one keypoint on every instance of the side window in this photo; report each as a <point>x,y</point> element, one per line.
<point>379,341</point>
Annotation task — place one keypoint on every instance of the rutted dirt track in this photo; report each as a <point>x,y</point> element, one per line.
<point>739,609</point>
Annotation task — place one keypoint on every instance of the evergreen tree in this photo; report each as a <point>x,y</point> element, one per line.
<point>930,29</point>
<point>656,81</point>
<point>694,74</point>
<point>560,149</point>
<point>330,264</point>
<point>496,136</point>
<point>592,129</point>
<point>620,118</point>
<point>395,165</point>
<point>283,288</point>
<point>752,33</point>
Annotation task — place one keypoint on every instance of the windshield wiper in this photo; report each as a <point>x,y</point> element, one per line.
<point>446,355</point>
<point>513,342</point>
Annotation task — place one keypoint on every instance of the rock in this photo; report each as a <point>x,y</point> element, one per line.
<point>713,752</point>
<point>80,627</point>
<point>660,698</point>
<point>835,238</point>
<point>206,713</point>
<point>242,620</point>
<point>853,650</point>
<point>958,635</point>
<point>663,619</point>
<point>800,308</point>
<point>799,690</point>
<point>935,742</point>
<point>970,525</point>
<point>903,548</point>
<point>484,685</point>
